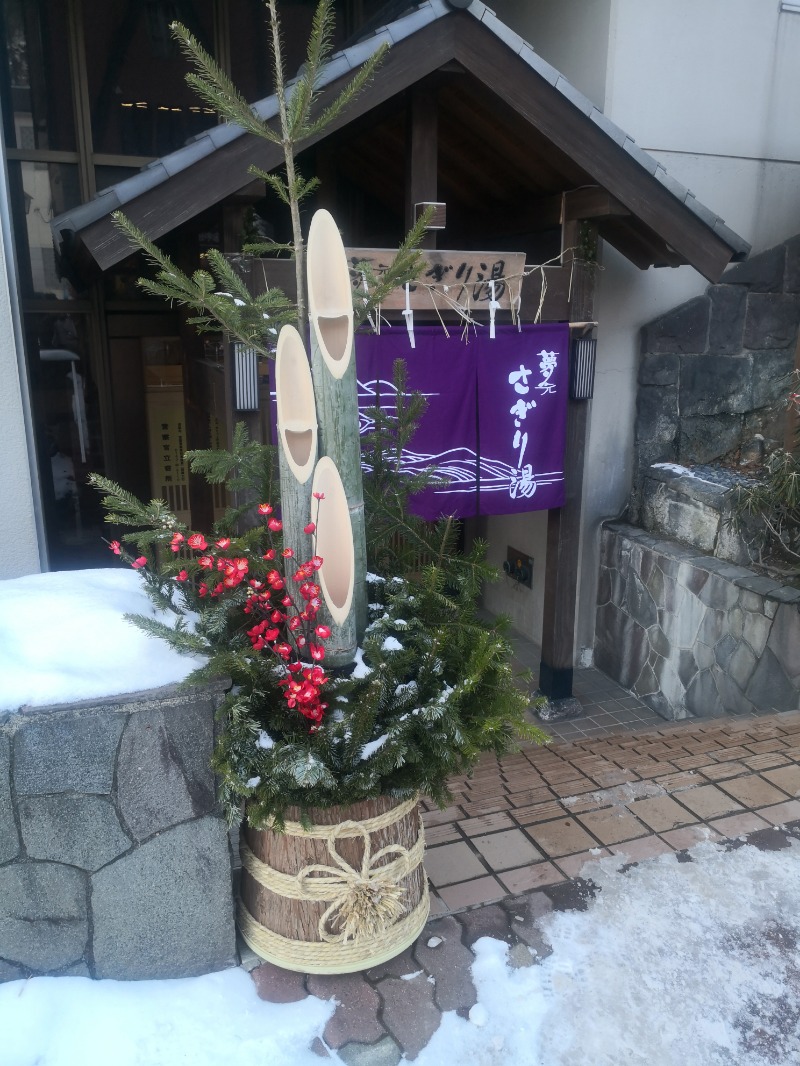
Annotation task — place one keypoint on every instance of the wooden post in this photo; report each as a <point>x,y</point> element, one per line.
<point>422,156</point>
<point>561,578</point>
<point>564,523</point>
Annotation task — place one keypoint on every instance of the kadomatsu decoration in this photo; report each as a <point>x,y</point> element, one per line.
<point>330,731</point>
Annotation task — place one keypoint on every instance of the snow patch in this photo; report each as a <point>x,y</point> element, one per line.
<point>672,964</point>
<point>204,1021</point>
<point>63,638</point>
<point>265,741</point>
<point>373,746</point>
<point>391,644</point>
<point>361,669</point>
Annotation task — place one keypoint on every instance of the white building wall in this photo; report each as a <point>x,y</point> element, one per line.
<point>21,529</point>
<point>18,532</point>
<point>711,89</point>
<point>569,34</point>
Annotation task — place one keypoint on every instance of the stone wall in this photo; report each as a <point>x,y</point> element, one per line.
<point>114,861</point>
<point>692,635</point>
<point>711,370</point>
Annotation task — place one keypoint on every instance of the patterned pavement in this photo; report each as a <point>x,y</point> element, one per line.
<point>516,840</point>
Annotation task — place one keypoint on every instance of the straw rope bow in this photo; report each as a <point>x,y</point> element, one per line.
<point>365,901</point>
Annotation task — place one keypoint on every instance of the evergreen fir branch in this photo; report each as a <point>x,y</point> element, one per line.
<point>159,593</point>
<point>354,88</point>
<point>264,248</point>
<point>317,52</point>
<point>214,86</point>
<point>173,285</point>
<point>302,188</point>
<point>278,186</point>
<point>406,266</point>
<point>179,638</point>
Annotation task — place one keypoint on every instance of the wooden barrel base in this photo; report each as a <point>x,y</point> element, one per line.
<point>344,958</point>
<point>285,912</point>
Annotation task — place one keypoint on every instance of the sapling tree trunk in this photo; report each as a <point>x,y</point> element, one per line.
<point>335,384</point>
<point>287,142</point>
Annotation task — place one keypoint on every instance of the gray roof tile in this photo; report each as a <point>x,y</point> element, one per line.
<point>337,67</point>
<point>642,158</point>
<point>575,96</point>
<point>541,66</point>
<point>701,211</point>
<point>726,234</point>
<point>671,184</point>
<point>611,129</point>
<point>222,135</point>
<point>189,155</point>
<point>410,23</point>
<point>142,182</point>
<point>360,53</point>
<point>501,31</point>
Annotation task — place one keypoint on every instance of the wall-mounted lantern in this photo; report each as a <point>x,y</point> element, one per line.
<point>438,219</point>
<point>581,368</point>
<point>245,378</point>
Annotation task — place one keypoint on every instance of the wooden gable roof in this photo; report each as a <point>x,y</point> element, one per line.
<point>511,129</point>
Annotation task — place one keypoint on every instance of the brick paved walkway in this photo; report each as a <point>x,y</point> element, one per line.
<point>533,819</point>
<point>523,827</point>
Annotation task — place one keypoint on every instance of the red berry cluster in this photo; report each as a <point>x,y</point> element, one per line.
<point>285,620</point>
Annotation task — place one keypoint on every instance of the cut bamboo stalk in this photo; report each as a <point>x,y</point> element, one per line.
<point>297,437</point>
<point>330,303</point>
<point>336,575</point>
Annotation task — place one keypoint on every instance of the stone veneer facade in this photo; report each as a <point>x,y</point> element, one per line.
<point>114,861</point>
<point>691,634</point>
<point>713,369</point>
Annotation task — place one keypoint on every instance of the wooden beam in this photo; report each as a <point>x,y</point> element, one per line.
<point>560,284</point>
<point>561,577</point>
<point>592,203</point>
<point>638,243</point>
<point>422,161</point>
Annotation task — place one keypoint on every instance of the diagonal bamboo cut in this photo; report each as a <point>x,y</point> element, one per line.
<point>335,386</point>
<point>297,436</point>
<point>336,576</point>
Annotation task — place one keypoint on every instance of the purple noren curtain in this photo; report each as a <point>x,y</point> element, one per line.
<point>496,419</point>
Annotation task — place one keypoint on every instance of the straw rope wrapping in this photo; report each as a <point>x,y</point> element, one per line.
<point>363,902</point>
